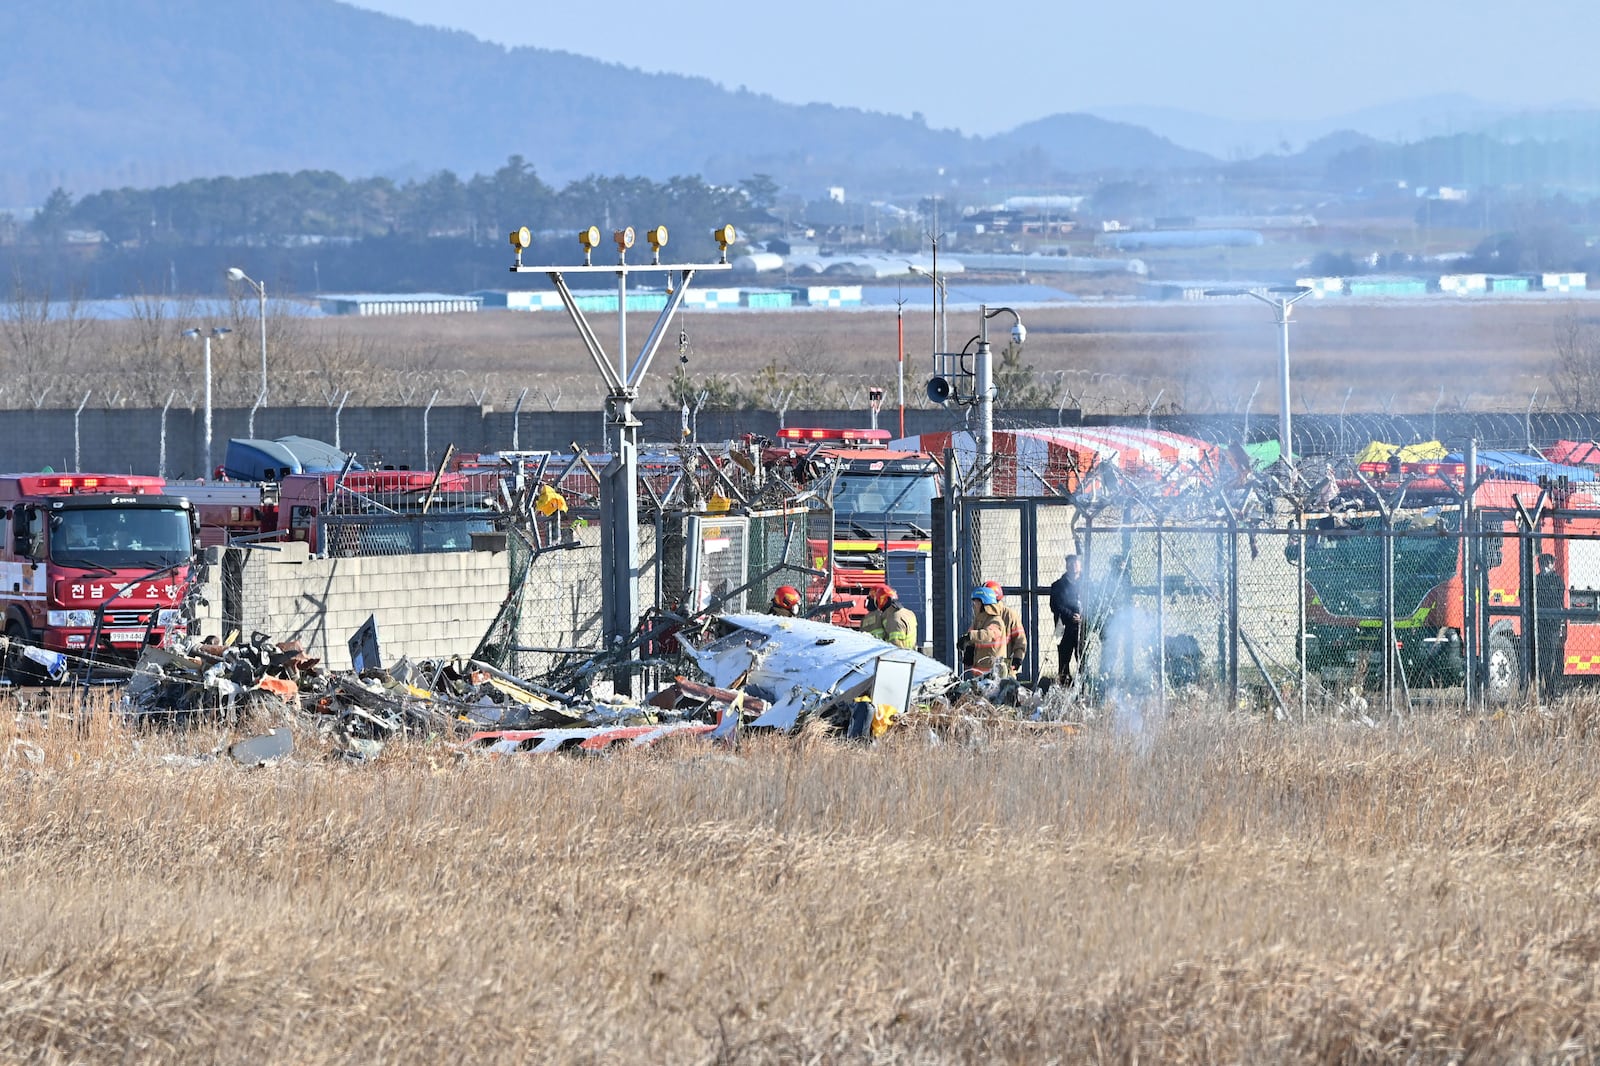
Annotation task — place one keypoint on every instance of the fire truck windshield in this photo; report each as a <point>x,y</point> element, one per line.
<point>112,537</point>
<point>903,499</point>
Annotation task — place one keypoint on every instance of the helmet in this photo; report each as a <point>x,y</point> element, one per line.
<point>985,595</point>
<point>786,596</point>
<point>999,593</point>
<point>882,596</point>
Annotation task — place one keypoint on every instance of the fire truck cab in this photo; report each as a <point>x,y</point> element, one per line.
<point>98,558</point>
<point>882,501</point>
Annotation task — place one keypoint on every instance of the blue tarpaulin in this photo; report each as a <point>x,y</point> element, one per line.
<point>1518,466</point>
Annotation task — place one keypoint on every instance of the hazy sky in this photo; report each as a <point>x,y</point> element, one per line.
<point>985,67</point>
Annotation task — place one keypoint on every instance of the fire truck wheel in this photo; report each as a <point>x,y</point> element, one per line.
<point>18,667</point>
<point>1501,685</point>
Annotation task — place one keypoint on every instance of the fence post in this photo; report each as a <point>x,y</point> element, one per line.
<point>1161,614</point>
<point>1387,592</point>
<point>1300,613</point>
<point>161,464</point>
<point>947,572</point>
<point>1469,584</point>
<point>337,415</point>
<point>516,421</point>
<point>77,454</point>
<point>426,412</point>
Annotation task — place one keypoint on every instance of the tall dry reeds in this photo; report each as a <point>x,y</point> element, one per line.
<point>1211,889</point>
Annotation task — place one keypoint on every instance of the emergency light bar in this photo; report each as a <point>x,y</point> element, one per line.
<point>39,483</point>
<point>843,436</point>
<point>1427,469</point>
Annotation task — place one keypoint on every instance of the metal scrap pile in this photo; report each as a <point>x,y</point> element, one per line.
<point>762,671</point>
<point>261,682</point>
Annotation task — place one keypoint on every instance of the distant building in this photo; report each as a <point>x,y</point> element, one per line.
<point>1464,284</point>
<point>1388,285</point>
<point>1576,281</point>
<point>416,303</point>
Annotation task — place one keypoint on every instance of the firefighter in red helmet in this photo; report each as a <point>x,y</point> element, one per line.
<point>889,620</point>
<point>785,601</point>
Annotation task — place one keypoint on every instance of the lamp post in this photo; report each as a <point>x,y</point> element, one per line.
<point>235,274</point>
<point>1281,298</point>
<point>984,371</point>
<point>214,331</point>
<point>943,296</point>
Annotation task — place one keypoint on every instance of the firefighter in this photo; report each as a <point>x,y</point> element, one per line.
<point>983,645</point>
<point>888,620</point>
<point>785,601</point>
<point>1016,636</point>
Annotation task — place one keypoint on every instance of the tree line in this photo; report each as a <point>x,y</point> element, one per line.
<point>316,207</point>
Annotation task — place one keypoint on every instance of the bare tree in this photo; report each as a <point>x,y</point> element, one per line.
<point>41,336</point>
<point>1577,363</point>
<point>151,362</point>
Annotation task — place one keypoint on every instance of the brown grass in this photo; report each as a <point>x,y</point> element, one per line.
<point>1216,889</point>
<point>1110,358</point>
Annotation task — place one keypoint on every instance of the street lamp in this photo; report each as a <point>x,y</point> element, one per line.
<point>944,303</point>
<point>235,274</point>
<point>984,371</point>
<point>1280,298</point>
<point>214,331</point>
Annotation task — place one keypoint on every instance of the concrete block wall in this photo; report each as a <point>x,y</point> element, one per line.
<point>426,606</point>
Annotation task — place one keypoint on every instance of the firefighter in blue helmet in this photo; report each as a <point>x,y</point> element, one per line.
<point>983,645</point>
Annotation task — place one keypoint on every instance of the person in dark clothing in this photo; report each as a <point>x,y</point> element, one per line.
<point>1066,604</point>
<point>1550,597</point>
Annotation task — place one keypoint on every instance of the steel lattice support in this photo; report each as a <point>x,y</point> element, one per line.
<point>619,509</point>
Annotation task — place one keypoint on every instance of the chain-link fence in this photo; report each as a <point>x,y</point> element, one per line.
<point>1371,604</point>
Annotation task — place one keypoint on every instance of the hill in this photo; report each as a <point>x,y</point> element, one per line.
<point>108,93</point>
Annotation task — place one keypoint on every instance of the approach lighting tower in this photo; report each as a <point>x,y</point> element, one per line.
<point>619,508</point>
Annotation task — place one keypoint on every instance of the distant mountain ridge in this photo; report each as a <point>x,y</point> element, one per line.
<point>174,89</point>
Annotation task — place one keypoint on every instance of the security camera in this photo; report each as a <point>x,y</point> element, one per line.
<point>1019,333</point>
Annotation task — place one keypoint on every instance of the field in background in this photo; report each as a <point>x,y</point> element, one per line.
<point>1107,358</point>
<point>1206,888</point>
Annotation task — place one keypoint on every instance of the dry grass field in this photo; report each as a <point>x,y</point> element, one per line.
<point>1106,357</point>
<point>1214,889</point>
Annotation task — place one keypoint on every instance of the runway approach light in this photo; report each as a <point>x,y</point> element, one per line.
<point>521,240</point>
<point>590,239</point>
<point>624,239</point>
<point>657,236</point>
<point>724,236</point>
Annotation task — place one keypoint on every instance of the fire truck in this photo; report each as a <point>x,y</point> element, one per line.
<point>882,501</point>
<point>92,557</point>
<point>1344,563</point>
<point>361,512</point>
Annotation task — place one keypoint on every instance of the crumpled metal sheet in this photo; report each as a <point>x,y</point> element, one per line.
<point>796,664</point>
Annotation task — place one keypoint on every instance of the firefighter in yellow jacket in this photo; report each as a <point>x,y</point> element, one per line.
<point>1016,636</point>
<point>890,621</point>
<point>983,646</point>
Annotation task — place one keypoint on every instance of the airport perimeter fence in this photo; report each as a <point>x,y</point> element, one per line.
<point>1290,612</point>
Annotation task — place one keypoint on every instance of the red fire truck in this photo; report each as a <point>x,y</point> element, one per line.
<point>1344,563</point>
<point>365,511</point>
<point>77,544</point>
<point>882,501</point>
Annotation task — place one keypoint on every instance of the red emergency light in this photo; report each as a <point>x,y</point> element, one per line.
<point>1427,469</point>
<point>36,484</point>
<point>841,436</point>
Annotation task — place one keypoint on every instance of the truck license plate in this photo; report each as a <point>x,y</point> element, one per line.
<point>127,636</point>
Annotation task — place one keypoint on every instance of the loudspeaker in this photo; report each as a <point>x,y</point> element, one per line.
<point>939,390</point>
